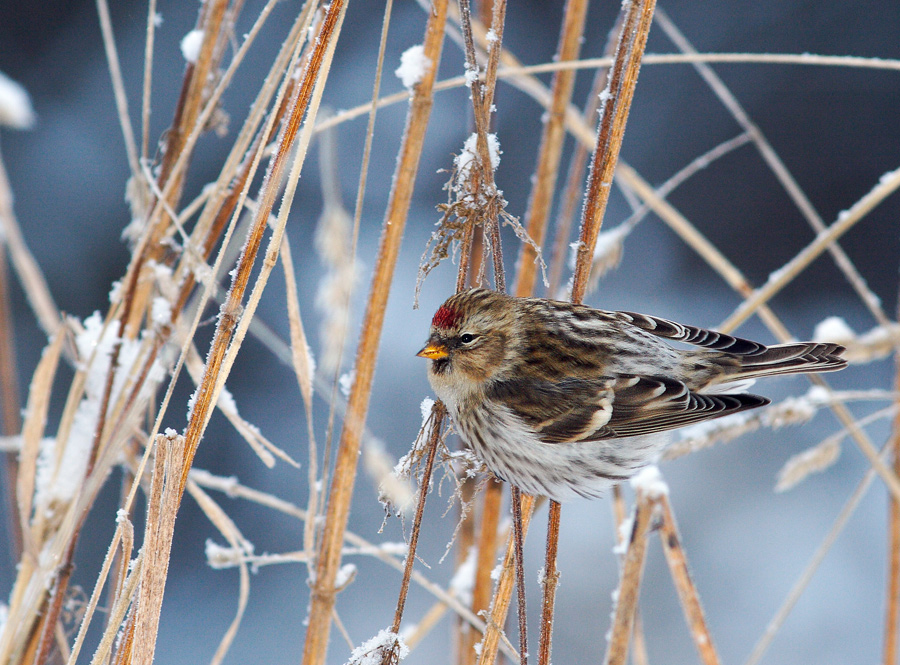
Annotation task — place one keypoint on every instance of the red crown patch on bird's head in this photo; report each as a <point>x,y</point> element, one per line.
<point>445,317</point>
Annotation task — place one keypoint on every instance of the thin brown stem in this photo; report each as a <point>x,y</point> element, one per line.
<point>687,592</point>
<point>892,601</point>
<point>630,584</point>
<point>575,178</point>
<point>343,479</point>
<point>519,538</point>
<point>614,114</point>
<point>437,422</point>
<point>503,594</point>
<point>486,553</point>
<point>552,138</point>
<point>10,406</point>
<point>550,582</point>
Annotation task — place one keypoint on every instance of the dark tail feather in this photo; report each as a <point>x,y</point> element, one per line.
<point>796,358</point>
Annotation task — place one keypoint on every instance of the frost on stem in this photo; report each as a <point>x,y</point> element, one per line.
<point>414,64</point>
<point>62,465</point>
<point>607,253</point>
<point>372,652</point>
<point>221,556</point>
<point>473,200</point>
<point>463,581</point>
<point>345,382</point>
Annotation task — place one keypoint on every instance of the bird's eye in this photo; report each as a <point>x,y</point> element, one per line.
<point>468,338</point>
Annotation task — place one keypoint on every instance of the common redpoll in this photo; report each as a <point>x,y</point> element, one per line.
<point>563,400</point>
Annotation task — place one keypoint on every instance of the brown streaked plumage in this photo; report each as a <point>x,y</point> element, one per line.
<point>564,400</point>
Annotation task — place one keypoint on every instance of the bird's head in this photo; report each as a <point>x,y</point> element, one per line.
<point>467,345</point>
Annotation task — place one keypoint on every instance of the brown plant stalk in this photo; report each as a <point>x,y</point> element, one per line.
<point>623,78</point>
<point>687,592</point>
<point>538,213</point>
<point>892,590</point>
<point>630,583</point>
<point>322,596</point>
<point>438,413</point>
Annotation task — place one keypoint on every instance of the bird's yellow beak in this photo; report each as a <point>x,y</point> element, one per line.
<point>434,351</point>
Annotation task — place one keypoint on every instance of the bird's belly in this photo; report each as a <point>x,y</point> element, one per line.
<point>560,471</point>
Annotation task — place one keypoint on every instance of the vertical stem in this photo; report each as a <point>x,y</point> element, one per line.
<point>437,416</point>
<point>620,92</point>
<point>892,612</point>
<point>500,604</point>
<point>554,134</point>
<point>10,406</point>
<point>630,585</point>
<point>550,582</point>
<point>519,536</point>
<point>687,592</point>
<point>892,602</point>
<point>344,476</point>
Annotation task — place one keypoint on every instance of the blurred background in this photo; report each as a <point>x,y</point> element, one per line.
<point>836,130</point>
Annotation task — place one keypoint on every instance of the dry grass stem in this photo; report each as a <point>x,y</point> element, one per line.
<point>687,592</point>
<point>549,583</point>
<point>613,116</point>
<point>550,151</point>
<point>626,596</point>
<point>27,270</point>
<point>165,496</point>
<point>438,414</point>
<point>892,600</point>
<point>327,563</point>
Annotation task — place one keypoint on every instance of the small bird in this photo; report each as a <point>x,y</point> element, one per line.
<point>564,400</point>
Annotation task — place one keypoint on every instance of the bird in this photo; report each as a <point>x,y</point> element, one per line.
<point>563,400</point>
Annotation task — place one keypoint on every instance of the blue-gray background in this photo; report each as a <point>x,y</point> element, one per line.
<point>836,130</point>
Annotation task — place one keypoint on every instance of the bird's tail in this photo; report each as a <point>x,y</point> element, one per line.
<point>794,358</point>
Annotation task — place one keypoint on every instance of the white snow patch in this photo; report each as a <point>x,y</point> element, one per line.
<point>372,651</point>
<point>190,45</point>
<point>226,401</point>
<point>15,104</point>
<point>346,382</point>
<point>345,575</point>
<point>469,155</point>
<point>413,66</point>
<point>621,547</point>
<point>161,311</point>
<point>463,580</point>
<point>649,481</point>
<point>833,329</point>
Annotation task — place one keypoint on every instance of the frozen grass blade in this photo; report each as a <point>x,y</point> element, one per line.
<point>165,495</point>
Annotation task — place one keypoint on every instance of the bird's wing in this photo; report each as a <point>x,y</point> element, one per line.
<point>612,407</point>
<point>679,332</point>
